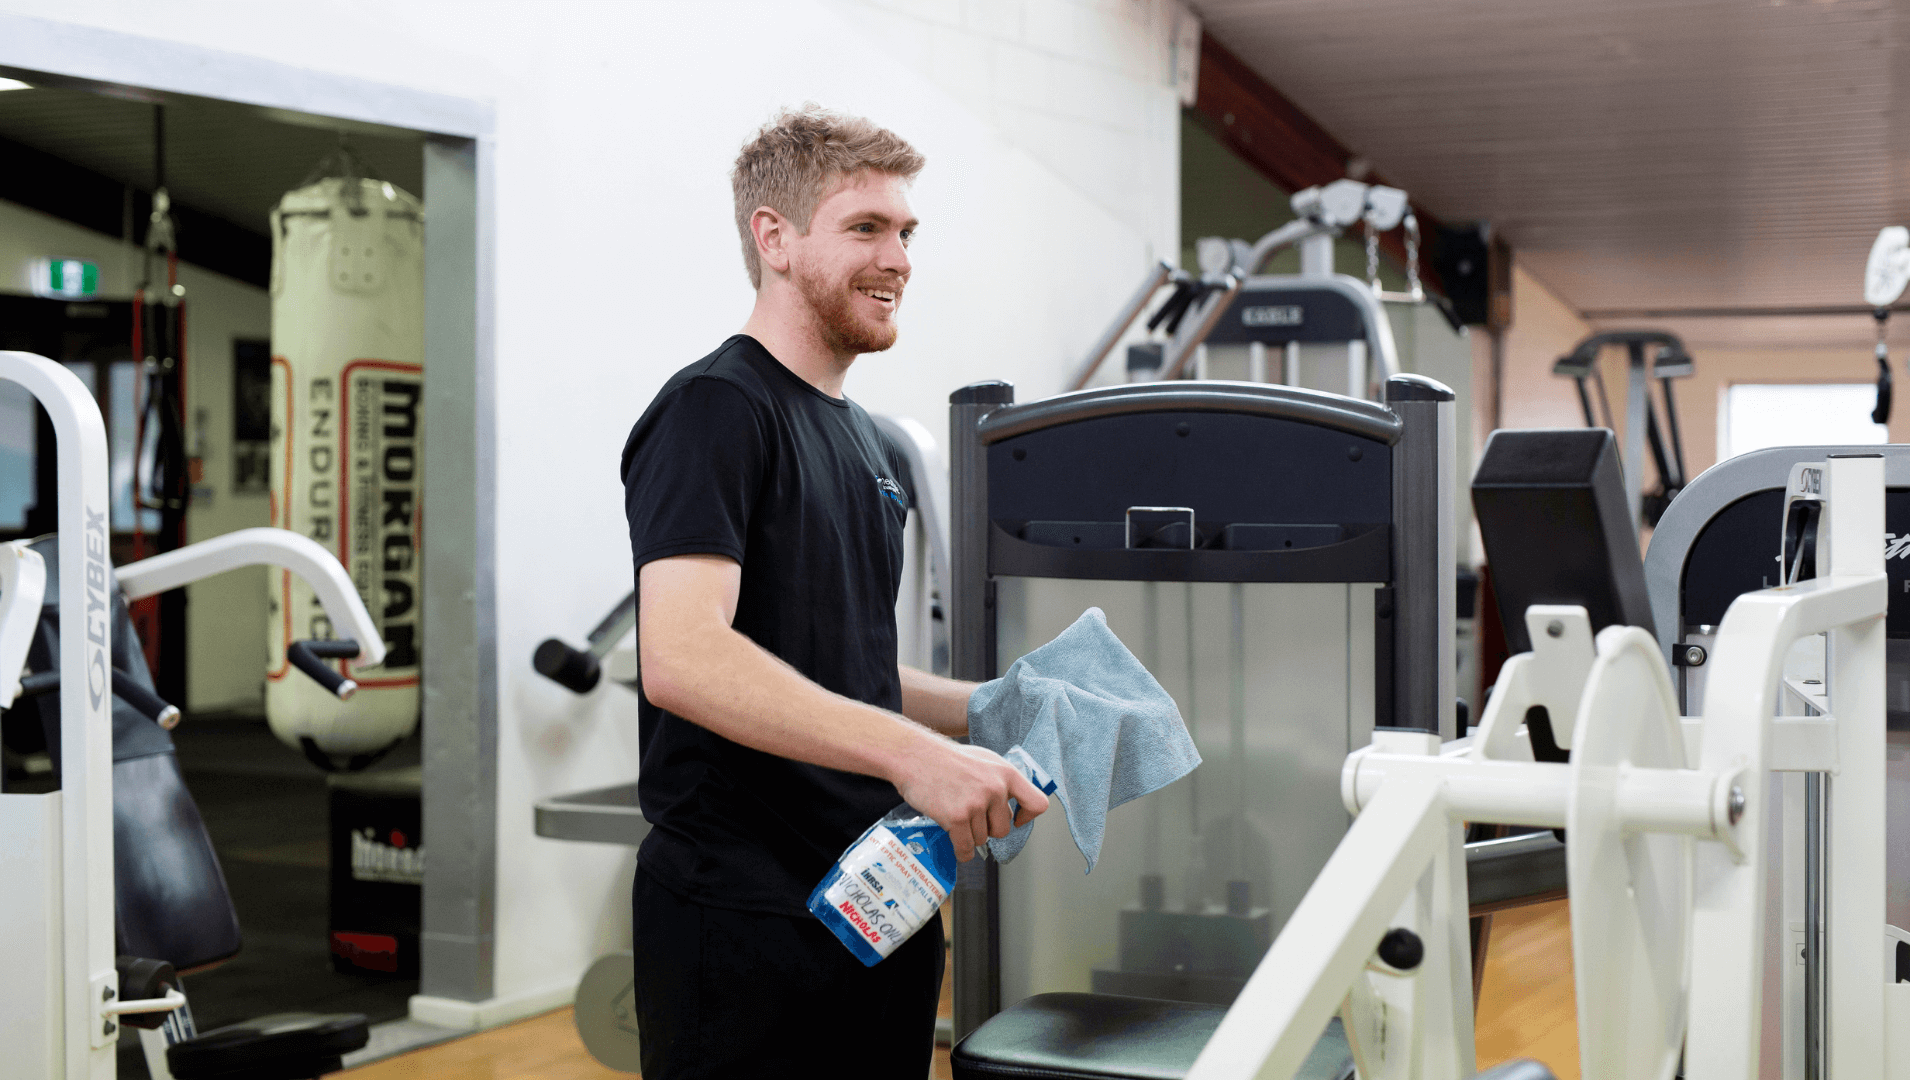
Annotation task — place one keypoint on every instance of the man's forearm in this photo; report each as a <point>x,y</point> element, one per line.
<point>723,681</point>
<point>939,703</point>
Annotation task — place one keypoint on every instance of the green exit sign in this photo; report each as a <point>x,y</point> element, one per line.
<point>68,279</point>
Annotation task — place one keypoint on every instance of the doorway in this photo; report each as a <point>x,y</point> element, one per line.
<point>82,135</point>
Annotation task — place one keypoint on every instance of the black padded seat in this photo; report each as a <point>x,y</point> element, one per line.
<point>283,1046</point>
<point>1104,1037</point>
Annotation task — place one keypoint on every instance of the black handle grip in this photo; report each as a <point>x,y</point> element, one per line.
<point>305,656</point>
<point>141,979</point>
<point>572,669</point>
<point>150,705</point>
<point>144,701</point>
<point>1401,949</point>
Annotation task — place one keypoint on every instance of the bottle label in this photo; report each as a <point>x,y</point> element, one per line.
<point>883,890</point>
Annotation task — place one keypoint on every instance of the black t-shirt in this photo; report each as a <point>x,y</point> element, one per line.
<point>738,456</point>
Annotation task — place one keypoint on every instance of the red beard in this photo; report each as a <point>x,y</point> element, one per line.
<point>842,330</point>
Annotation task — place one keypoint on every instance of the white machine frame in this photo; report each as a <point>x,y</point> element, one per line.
<point>1667,861</point>
<point>58,1000</point>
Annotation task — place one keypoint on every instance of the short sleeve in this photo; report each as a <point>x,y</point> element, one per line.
<point>691,473</point>
<point>899,465</point>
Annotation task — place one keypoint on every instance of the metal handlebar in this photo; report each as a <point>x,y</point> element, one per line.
<point>125,687</point>
<point>305,656</point>
<point>573,669</point>
<point>578,670</point>
<point>1157,275</point>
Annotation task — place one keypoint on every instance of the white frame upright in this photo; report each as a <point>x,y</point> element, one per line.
<point>77,913</point>
<point>58,1001</point>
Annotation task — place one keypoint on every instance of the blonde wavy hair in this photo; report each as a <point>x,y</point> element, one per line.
<point>798,156</point>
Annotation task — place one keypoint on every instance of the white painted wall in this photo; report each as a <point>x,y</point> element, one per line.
<point>1051,131</point>
<point>225,657</point>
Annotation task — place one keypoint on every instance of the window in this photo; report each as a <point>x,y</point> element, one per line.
<point>20,442</point>
<point>16,455</point>
<point>1762,415</point>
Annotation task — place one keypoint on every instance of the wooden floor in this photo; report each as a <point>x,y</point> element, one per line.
<point>1526,1005</point>
<point>1525,1010</point>
<point>542,1048</point>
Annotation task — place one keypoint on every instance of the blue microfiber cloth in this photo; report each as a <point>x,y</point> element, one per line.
<point>1093,718</point>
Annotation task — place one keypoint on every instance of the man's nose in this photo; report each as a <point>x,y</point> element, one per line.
<point>893,257</point>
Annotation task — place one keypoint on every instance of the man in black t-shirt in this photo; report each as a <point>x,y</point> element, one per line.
<point>766,514</point>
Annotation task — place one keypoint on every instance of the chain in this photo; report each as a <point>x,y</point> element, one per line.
<point>1412,259</point>
<point>1414,291</point>
<point>1372,257</point>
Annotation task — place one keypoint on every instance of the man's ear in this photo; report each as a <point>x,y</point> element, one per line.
<point>772,232</point>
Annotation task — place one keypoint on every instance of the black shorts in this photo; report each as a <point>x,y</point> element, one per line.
<point>724,993</point>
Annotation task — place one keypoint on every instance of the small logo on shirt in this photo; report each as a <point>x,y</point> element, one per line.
<point>891,489</point>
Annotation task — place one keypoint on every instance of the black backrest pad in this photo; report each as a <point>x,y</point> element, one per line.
<point>1551,508</point>
<point>171,901</point>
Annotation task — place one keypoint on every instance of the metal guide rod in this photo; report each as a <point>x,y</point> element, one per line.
<point>1156,277</point>
<point>1636,406</point>
<point>1813,926</point>
<point>86,778</point>
<point>614,628</point>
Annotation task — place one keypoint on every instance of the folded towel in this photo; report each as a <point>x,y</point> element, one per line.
<point>1093,718</point>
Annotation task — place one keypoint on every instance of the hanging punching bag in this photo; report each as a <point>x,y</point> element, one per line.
<point>347,400</point>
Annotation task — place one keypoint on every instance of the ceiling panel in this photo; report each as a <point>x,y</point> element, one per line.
<point>228,160</point>
<point>1636,153</point>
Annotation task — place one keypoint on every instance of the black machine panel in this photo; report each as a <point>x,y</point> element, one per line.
<point>1551,509</point>
<point>1736,553</point>
<point>1273,499</point>
<point>1229,468</point>
<point>1277,316</point>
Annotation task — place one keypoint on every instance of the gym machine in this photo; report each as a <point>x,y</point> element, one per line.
<point>1230,305</point>
<point>1705,553</point>
<point>116,857</point>
<point>1281,558</point>
<point>605,1016</point>
<point>1667,360</point>
<point>1667,816</point>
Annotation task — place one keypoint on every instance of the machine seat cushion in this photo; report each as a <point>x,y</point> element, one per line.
<point>283,1046</point>
<point>1104,1037</point>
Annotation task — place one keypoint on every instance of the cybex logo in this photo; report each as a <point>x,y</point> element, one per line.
<point>1273,315</point>
<point>98,609</point>
<point>1810,481</point>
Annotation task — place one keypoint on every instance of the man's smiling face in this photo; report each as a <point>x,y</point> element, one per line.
<point>853,264</point>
